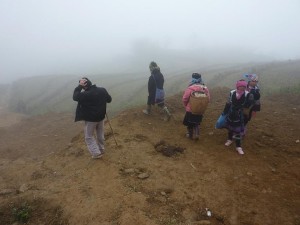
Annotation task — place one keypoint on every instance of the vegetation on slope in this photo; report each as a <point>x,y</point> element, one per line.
<point>39,95</point>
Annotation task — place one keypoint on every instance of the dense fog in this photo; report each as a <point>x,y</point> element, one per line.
<point>97,37</point>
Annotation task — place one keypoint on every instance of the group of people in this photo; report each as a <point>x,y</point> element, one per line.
<point>241,105</point>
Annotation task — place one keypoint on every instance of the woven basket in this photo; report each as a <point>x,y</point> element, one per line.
<point>198,102</point>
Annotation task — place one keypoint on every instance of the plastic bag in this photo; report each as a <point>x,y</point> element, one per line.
<point>159,95</point>
<point>222,121</point>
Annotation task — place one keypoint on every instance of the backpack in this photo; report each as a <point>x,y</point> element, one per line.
<point>198,102</point>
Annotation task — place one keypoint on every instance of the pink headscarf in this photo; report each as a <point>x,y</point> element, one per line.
<point>240,83</point>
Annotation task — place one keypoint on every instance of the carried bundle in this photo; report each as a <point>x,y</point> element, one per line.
<point>198,102</point>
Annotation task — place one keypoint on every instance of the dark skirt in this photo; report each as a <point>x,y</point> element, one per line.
<point>238,127</point>
<point>191,120</point>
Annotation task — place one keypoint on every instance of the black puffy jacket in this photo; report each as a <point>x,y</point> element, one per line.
<point>91,103</point>
<point>155,80</point>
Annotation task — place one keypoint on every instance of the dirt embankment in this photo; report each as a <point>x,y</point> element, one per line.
<point>45,163</point>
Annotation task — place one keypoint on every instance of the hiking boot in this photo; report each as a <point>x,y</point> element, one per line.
<point>97,156</point>
<point>148,110</point>
<point>145,111</point>
<point>240,150</point>
<point>228,142</point>
<point>167,112</point>
<point>189,136</point>
<point>196,132</point>
<point>189,133</point>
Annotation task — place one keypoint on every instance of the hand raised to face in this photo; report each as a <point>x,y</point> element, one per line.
<point>83,82</point>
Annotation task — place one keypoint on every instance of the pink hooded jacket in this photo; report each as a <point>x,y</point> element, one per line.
<point>189,90</point>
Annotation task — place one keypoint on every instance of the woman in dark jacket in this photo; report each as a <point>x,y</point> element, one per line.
<point>156,84</point>
<point>236,119</point>
<point>91,108</point>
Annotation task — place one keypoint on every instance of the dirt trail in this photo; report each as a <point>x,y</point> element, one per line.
<point>261,187</point>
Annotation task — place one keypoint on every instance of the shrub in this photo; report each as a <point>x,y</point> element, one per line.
<point>22,213</point>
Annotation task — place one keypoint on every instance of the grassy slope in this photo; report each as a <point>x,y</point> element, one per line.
<point>48,93</point>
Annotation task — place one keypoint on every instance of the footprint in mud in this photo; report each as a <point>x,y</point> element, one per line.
<point>168,150</point>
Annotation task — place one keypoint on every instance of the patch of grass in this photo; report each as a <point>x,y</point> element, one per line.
<point>21,213</point>
<point>31,211</point>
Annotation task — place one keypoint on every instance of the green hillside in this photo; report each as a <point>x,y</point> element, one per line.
<point>38,95</point>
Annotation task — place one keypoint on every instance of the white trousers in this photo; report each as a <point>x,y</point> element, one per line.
<point>95,145</point>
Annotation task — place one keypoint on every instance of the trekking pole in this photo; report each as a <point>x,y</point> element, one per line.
<point>111,129</point>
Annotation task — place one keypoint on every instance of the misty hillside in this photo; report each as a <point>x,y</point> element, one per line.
<point>151,174</point>
<point>39,95</point>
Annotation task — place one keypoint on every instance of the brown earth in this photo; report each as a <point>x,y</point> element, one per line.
<point>46,170</point>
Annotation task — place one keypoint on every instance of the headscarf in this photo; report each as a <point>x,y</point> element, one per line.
<point>251,77</point>
<point>153,66</point>
<point>196,79</point>
<point>240,83</point>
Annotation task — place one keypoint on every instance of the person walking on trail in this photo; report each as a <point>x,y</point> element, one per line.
<point>155,90</point>
<point>236,119</point>
<point>91,108</point>
<point>252,87</point>
<point>191,119</point>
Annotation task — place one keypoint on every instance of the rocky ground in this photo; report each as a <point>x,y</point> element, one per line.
<point>46,170</point>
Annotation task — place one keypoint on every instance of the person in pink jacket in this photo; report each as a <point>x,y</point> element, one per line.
<point>192,121</point>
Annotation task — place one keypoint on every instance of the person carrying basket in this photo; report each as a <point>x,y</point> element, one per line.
<point>195,100</point>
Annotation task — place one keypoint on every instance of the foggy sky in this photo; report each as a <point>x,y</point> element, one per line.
<point>72,37</point>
